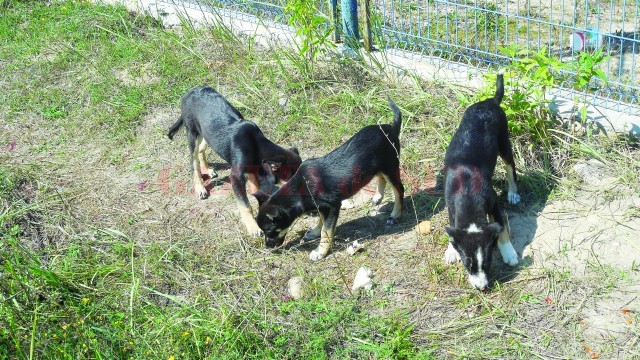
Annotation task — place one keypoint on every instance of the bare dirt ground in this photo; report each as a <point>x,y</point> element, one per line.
<point>579,249</point>
<point>592,229</point>
<point>583,242</point>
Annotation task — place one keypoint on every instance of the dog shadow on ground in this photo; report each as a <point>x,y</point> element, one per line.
<point>372,224</point>
<point>522,220</point>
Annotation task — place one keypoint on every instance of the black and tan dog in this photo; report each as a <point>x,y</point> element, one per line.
<point>321,184</point>
<point>470,162</point>
<point>211,120</point>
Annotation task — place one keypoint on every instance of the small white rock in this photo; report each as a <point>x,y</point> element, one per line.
<point>295,285</point>
<point>363,279</point>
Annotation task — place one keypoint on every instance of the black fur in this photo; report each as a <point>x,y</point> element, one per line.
<point>207,114</point>
<point>470,161</point>
<point>321,184</point>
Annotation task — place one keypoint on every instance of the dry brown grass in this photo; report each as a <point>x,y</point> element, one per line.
<point>116,220</point>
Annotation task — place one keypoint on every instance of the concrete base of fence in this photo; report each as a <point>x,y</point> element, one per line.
<point>395,63</point>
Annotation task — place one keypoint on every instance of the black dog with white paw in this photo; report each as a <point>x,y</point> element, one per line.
<point>470,162</point>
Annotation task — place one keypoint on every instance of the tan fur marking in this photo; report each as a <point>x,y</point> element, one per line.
<point>509,254</point>
<point>204,165</point>
<point>198,184</point>
<point>382,183</point>
<point>254,185</point>
<point>246,216</point>
<point>326,239</point>
<point>397,205</point>
<point>504,237</point>
<point>511,179</point>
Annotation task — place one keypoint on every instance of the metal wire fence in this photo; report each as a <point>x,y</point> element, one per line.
<point>471,32</point>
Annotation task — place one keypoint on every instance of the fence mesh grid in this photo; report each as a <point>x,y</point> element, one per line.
<point>471,32</point>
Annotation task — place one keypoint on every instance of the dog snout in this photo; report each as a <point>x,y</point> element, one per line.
<point>273,242</point>
<point>270,243</point>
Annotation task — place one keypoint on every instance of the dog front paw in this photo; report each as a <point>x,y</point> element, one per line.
<point>254,231</point>
<point>513,198</point>
<point>451,256</point>
<point>510,257</point>
<point>317,255</point>
<point>202,194</point>
<point>377,199</point>
<point>257,233</point>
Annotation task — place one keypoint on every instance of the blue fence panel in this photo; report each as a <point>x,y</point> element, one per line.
<point>470,32</point>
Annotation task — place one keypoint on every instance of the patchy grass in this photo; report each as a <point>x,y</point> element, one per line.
<point>105,253</point>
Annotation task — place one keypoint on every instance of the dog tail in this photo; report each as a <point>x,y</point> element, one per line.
<point>499,89</point>
<point>397,116</point>
<point>175,128</point>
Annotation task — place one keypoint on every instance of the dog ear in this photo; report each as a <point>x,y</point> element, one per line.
<point>453,232</point>
<point>295,150</point>
<point>261,197</point>
<point>494,228</point>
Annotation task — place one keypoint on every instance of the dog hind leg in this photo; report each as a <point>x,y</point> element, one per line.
<point>204,165</point>
<point>194,145</point>
<point>377,197</point>
<point>398,192</point>
<point>506,153</point>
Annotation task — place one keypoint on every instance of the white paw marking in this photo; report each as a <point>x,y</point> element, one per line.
<point>513,198</point>
<point>377,198</point>
<point>202,194</point>
<point>316,255</point>
<point>347,204</point>
<point>451,256</point>
<point>509,254</point>
<point>473,228</point>
<point>254,231</point>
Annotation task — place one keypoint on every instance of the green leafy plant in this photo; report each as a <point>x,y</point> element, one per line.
<point>313,28</point>
<point>527,78</point>
<point>586,69</point>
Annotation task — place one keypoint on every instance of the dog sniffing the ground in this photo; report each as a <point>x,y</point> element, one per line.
<point>470,162</point>
<point>211,120</point>
<point>321,184</point>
